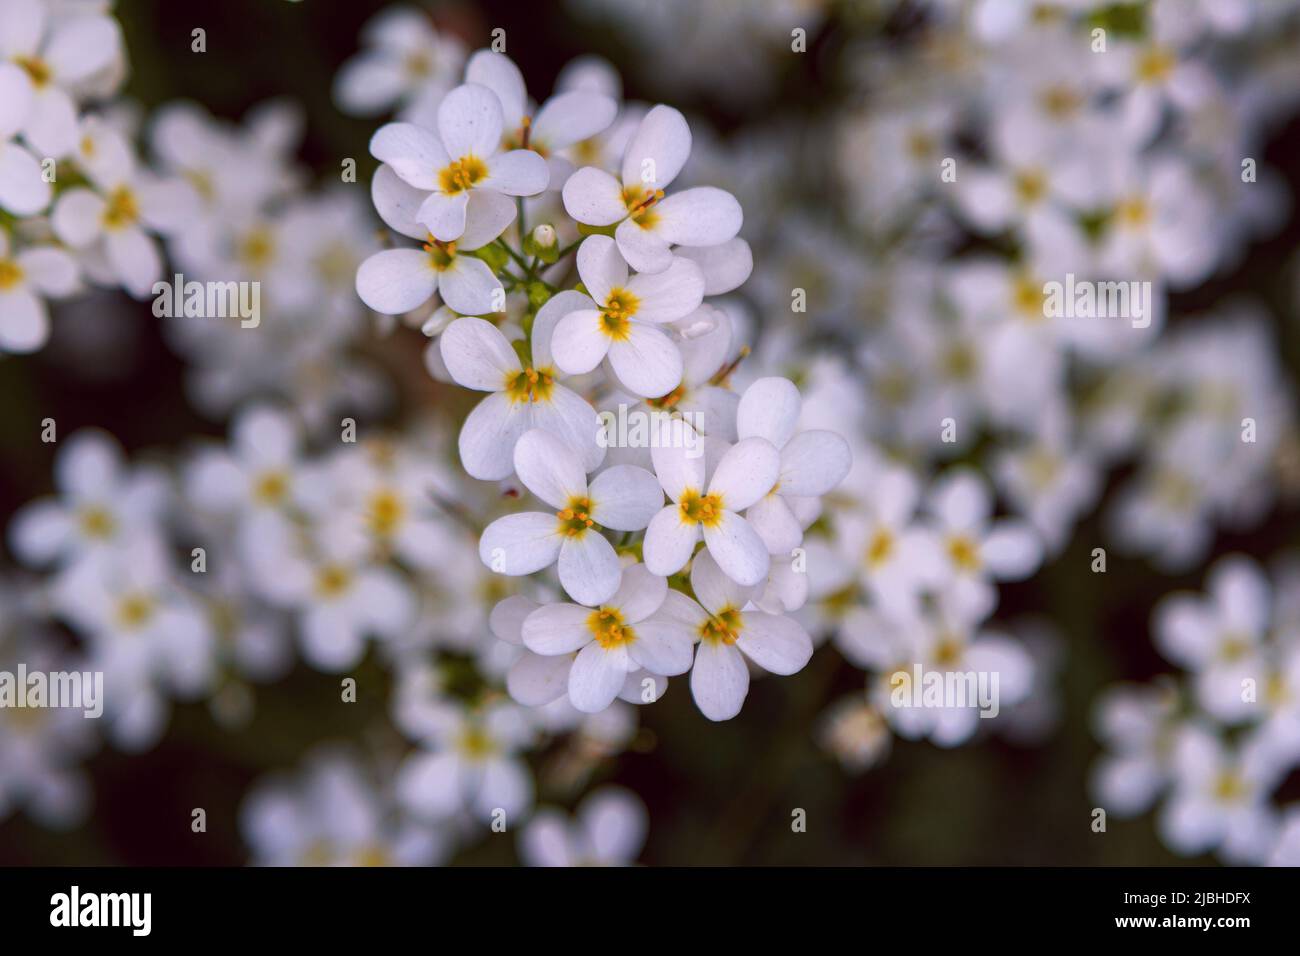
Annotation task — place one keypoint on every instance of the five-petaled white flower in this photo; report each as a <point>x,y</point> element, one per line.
<point>26,277</point>
<point>622,498</point>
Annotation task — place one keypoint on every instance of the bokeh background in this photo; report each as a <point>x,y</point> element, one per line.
<point>717,794</point>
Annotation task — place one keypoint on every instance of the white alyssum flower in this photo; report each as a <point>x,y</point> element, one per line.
<point>607,829</point>
<point>465,176</point>
<point>406,61</point>
<point>649,223</point>
<point>622,498</point>
<point>27,277</point>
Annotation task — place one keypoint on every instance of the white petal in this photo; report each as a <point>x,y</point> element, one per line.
<point>769,409</point>
<point>571,417</point>
<point>715,590</point>
<point>746,473</point>
<point>52,123</point>
<point>487,216</point>
<point>535,680</point>
<point>589,568</point>
<point>487,439</point>
<point>506,620</point>
<point>625,498</point>
<point>719,680</point>
<point>520,172</point>
<point>601,267</point>
<point>15,99</point>
<point>677,459</point>
<point>368,84</point>
<point>76,218</point>
<point>596,677</point>
<point>24,322</point>
<point>775,643</point>
<point>703,216</point>
<point>499,74</point>
<point>669,295</point>
<point>1012,550</point>
<point>738,549</point>
<point>594,197</point>
<point>396,280</point>
<point>776,524</point>
<point>135,258</point>
<point>477,355</point>
<point>813,463</point>
<point>81,46</point>
<point>647,362</point>
<point>549,468</point>
<point>557,629</point>
<point>444,215</point>
<point>669,542</point>
<point>470,122</point>
<point>520,543</point>
<point>579,342</point>
<point>548,316</point>
<point>397,202</point>
<point>663,647</point>
<point>22,189</point>
<point>961,500</point>
<point>49,269</point>
<point>725,266</point>
<point>658,150</point>
<point>569,118</point>
<point>468,285</point>
<point>413,153</point>
<point>644,249</point>
<point>640,593</point>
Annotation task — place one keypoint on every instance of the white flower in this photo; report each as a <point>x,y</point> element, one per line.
<point>567,118</point>
<point>23,189</point>
<point>607,829</point>
<point>523,396</point>
<point>648,224</point>
<point>622,498</point>
<point>976,549</point>
<point>101,504</point>
<point>467,180</point>
<point>406,62</point>
<point>469,762</point>
<point>611,640</point>
<point>114,215</point>
<point>1138,725</point>
<point>26,278</point>
<point>743,476</point>
<point>619,319</point>
<point>54,55</point>
<point>726,625</point>
<point>812,462</point>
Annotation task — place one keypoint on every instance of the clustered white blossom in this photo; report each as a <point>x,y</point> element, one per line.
<point>862,470</point>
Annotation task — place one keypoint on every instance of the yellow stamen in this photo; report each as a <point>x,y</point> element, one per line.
<point>462,174</point>
<point>576,518</point>
<point>10,274</point>
<point>530,385</point>
<point>964,552</point>
<point>723,627</point>
<point>121,210</point>
<point>696,508</point>
<point>606,624</point>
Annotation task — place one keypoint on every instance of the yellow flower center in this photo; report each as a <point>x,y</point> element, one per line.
<point>477,744</point>
<point>121,210</point>
<point>724,627</point>
<point>1229,787</point>
<point>385,513</point>
<point>10,274</point>
<point>607,625</point>
<point>1027,297</point>
<point>963,552</point>
<point>640,202</point>
<point>441,254</point>
<point>947,653</point>
<point>576,518</point>
<point>1060,101</point>
<point>270,487</point>
<point>37,70</point>
<point>530,385</point>
<point>332,580</point>
<point>256,249</point>
<point>134,610</point>
<point>696,508</point>
<point>462,174</point>
<point>620,306</point>
<point>1031,186</point>
<point>97,523</point>
<point>1155,65</point>
<point>880,548</point>
<point>1133,212</point>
